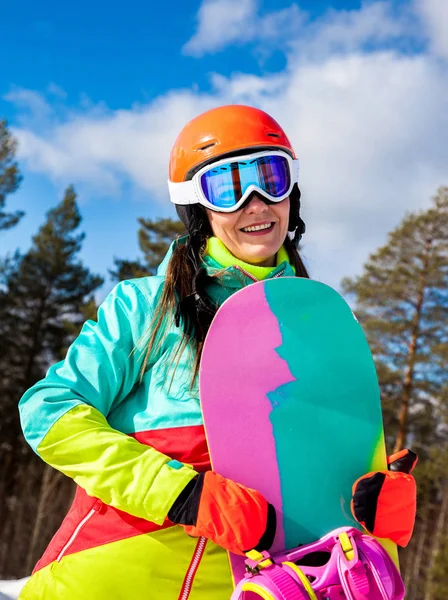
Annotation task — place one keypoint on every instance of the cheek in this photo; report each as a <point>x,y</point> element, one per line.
<point>214,222</point>
<point>221,223</point>
<point>283,213</point>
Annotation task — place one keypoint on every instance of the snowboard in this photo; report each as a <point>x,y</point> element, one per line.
<point>291,405</point>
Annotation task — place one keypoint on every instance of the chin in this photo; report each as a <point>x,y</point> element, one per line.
<point>263,253</point>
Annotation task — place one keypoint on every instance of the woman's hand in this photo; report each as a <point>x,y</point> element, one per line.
<point>233,516</point>
<point>385,502</point>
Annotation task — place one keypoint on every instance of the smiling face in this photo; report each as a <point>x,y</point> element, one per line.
<point>255,233</point>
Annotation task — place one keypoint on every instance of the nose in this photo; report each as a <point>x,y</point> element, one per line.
<point>256,205</point>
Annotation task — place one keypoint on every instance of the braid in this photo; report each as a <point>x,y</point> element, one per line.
<point>295,258</point>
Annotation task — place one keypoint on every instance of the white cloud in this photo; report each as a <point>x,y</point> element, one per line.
<point>30,103</point>
<point>226,22</point>
<point>375,25</point>
<point>220,22</point>
<point>370,130</point>
<point>435,17</point>
<point>280,24</point>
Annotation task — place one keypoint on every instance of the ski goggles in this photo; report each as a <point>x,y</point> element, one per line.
<point>225,185</point>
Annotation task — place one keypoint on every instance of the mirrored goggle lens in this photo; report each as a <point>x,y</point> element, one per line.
<point>226,184</point>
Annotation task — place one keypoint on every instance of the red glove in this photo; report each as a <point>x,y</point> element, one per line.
<point>384,502</point>
<point>233,516</point>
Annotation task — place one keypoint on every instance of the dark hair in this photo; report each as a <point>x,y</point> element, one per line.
<point>184,293</point>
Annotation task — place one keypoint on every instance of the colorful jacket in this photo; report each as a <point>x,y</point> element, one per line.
<point>131,443</point>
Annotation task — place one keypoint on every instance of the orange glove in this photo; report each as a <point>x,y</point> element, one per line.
<point>233,516</point>
<point>384,502</point>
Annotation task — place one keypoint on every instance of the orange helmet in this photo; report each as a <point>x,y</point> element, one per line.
<point>222,131</point>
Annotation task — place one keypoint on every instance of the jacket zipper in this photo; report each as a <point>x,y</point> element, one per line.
<point>279,274</point>
<point>246,273</point>
<point>95,508</point>
<point>194,564</point>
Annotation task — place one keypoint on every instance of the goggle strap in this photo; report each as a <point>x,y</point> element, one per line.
<point>182,192</point>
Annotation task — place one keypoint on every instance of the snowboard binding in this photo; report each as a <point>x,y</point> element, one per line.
<point>343,565</point>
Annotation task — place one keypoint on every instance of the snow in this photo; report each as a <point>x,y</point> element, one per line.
<point>10,589</point>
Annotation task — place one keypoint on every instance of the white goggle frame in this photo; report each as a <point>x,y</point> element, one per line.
<point>190,192</point>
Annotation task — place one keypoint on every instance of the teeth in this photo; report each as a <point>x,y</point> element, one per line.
<point>257,227</point>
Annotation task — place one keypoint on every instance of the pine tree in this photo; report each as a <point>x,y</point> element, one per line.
<point>402,303</point>
<point>10,177</point>
<point>46,289</point>
<point>155,237</point>
<point>44,295</point>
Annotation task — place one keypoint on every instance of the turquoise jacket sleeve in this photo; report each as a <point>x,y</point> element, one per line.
<point>64,416</point>
<point>100,368</point>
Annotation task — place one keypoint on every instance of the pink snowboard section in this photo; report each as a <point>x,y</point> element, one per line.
<point>236,396</point>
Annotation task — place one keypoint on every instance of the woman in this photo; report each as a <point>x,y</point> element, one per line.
<point>121,415</point>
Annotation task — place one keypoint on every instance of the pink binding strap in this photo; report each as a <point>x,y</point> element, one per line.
<point>287,587</point>
<point>349,565</point>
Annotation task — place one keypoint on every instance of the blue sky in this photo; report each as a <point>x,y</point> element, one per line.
<point>96,96</point>
<point>118,56</point>
<point>121,57</point>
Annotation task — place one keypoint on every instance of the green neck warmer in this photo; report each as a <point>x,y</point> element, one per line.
<point>218,251</point>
